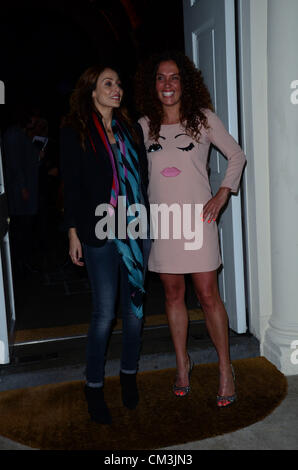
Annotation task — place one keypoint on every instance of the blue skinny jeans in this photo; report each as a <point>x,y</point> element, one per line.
<point>108,276</point>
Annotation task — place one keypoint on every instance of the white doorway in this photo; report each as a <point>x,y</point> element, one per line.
<point>7,306</point>
<point>210,41</point>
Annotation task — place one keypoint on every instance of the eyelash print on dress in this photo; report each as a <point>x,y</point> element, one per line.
<point>186,149</point>
<point>154,148</point>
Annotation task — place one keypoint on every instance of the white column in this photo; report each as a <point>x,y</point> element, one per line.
<point>282,331</point>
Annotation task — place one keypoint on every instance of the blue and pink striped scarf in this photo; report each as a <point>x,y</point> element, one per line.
<point>128,184</point>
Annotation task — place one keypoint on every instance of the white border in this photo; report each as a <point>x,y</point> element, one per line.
<point>233,129</point>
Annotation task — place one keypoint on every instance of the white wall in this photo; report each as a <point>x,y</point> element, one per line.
<point>269,64</point>
<point>282,331</point>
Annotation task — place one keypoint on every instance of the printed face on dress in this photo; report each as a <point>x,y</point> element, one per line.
<point>108,92</point>
<point>168,83</point>
<point>187,145</point>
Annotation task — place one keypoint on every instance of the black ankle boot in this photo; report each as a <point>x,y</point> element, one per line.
<point>97,407</point>
<point>130,395</point>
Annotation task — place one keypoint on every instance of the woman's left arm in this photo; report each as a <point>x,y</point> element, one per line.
<point>221,139</point>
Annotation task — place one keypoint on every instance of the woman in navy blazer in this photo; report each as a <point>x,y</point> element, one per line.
<point>104,165</point>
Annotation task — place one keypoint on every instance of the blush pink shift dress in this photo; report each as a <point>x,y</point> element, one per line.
<point>178,174</point>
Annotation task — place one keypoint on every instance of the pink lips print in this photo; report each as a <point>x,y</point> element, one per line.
<point>171,172</point>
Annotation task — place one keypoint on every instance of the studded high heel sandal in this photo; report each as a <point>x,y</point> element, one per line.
<point>223,401</point>
<point>183,391</point>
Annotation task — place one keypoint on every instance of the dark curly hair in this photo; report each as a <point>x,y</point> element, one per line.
<point>81,104</point>
<point>195,95</point>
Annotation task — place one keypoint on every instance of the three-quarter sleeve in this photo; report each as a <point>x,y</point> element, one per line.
<point>221,139</point>
<point>70,169</point>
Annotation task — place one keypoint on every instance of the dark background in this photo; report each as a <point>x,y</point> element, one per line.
<point>46,45</point>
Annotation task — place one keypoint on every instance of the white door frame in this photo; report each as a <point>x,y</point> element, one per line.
<point>253,82</point>
<point>235,201</point>
<point>7,306</point>
<point>240,318</point>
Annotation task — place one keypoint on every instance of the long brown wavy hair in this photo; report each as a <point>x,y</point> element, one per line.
<point>81,104</point>
<point>195,95</point>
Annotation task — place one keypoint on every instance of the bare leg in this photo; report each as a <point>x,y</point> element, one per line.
<point>174,287</point>
<point>206,288</point>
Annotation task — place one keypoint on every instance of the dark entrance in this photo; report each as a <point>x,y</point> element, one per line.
<point>45,46</point>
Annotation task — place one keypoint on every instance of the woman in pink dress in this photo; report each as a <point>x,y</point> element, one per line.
<point>179,126</point>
